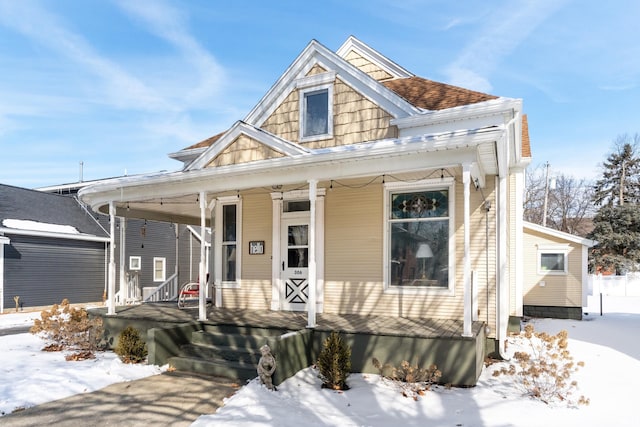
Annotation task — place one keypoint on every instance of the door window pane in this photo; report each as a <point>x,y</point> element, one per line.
<point>298,235</point>
<point>298,258</point>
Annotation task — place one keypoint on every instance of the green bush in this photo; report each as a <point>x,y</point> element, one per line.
<point>131,347</point>
<point>334,363</point>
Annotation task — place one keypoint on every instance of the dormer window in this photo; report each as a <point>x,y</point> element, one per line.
<point>316,113</point>
<point>316,106</point>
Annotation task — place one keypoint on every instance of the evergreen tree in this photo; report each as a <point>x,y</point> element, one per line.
<point>617,230</point>
<point>620,182</point>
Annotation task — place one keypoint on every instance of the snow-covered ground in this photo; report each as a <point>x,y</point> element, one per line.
<point>609,345</point>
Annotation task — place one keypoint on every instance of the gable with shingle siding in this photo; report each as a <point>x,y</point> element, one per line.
<point>367,66</point>
<point>244,150</point>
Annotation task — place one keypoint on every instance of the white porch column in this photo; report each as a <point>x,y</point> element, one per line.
<point>276,208</point>
<point>125,292</point>
<point>311,302</point>
<point>111,297</point>
<point>467,302</point>
<point>203,258</point>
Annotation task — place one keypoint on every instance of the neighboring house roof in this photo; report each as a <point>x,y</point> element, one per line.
<point>559,234</point>
<point>24,211</point>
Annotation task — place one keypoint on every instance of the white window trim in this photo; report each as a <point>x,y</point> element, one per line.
<point>225,201</point>
<point>553,249</point>
<point>131,262</point>
<point>308,89</point>
<point>164,269</point>
<point>427,184</point>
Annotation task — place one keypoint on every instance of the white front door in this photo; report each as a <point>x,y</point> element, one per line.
<point>295,264</point>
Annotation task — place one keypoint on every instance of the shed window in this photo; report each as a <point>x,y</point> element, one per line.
<point>552,262</point>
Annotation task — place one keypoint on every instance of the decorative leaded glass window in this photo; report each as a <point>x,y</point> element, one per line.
<point>419,238</point>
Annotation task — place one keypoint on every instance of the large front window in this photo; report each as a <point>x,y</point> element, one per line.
<point>418,249</point>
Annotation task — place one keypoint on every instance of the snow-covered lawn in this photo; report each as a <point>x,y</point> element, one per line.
<point>609,346</point>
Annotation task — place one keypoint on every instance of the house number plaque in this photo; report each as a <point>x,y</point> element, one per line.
<point>256,247</point>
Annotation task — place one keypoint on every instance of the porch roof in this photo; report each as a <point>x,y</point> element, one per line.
<point>173,196</point>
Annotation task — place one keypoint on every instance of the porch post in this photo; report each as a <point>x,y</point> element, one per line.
<point>111,297</point>
<point>276,208</point>
<point>311,302</point>
<point>467,302</point>
<point>203,254</point>
<point>124,285</point>
<point>4,241</point>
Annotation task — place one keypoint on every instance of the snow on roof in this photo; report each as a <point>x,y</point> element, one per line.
<point>21,224</point>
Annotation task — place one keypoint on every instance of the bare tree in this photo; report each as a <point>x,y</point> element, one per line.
<point>568,208</point>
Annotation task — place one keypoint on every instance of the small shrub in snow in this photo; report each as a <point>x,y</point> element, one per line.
<point>544,371</point>
<point>334,363</point>
<point>131,347</point>
<point>69,328</point>
<point>412,380</point>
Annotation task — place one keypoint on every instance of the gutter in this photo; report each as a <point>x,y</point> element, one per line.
<point>81,237</point>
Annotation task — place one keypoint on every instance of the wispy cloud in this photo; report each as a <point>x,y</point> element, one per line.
<point>170,24</point>
<point>120,88</point>
<point>502,33</point>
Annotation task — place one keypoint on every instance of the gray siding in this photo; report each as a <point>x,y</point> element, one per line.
<point>43,271</point>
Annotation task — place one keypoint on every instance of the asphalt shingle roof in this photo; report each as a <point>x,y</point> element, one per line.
<point>24,204</point>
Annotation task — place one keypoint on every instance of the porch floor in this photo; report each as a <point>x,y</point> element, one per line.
<point>347,323</point>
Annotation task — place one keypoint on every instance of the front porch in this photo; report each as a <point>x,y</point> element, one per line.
<point>421,341</point>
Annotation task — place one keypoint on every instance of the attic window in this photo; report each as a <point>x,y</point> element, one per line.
<point>316,113</point>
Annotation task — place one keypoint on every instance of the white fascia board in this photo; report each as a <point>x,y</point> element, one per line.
<point>559,234</point>
<point>83,237</point>
<point>240,128</point>
<point>187,155</point>
<point>352,76</point>
<point>386,156</point>
<point>374,56</point>
<point>494,107</point>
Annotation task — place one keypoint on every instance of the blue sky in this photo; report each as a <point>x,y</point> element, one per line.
<point>120,84</point>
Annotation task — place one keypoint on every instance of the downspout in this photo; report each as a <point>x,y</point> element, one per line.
<point>3,241</point>
<point>503,269</point>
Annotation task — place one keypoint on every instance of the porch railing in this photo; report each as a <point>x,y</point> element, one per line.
<point>166,291</point>
<point>129,292</point>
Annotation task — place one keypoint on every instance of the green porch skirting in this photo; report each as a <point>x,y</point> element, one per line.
<point>460,359</point>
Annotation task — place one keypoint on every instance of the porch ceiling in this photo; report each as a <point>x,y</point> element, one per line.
<point>174,197</point>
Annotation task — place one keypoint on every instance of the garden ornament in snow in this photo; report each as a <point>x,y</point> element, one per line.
<point>266,367</point>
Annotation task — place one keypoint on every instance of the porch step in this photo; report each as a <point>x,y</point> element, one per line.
<point>219,352</point>
<point>218,367</point>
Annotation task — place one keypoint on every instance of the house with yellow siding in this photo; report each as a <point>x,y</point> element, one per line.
<point>555,273</point>
<point>354,187</point>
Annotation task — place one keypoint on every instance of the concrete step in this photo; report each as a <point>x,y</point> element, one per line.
<point>240,341</point>
<point>220,367</point>
<point>207,352</point>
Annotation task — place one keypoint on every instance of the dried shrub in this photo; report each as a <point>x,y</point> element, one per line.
<point>131,347</point>
<point>412,380</point>
<point>334,363</point>
<point>544,371</point>
<point>68,328</point>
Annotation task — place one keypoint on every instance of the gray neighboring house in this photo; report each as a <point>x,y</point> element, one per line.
<point>51,248</point>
